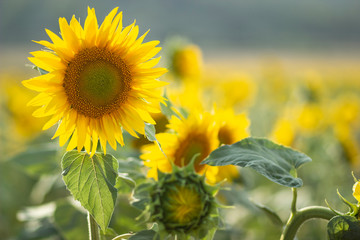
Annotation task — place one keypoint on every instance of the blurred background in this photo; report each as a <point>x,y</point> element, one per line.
<point>293,67</point>
<point>246,27</point>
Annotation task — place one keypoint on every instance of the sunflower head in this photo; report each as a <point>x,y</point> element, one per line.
<point>187,62</point>
<point>182,203</point>
<point>186,138</point>
<point>98,81</point>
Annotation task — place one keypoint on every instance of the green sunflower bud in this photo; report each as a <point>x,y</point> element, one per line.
<point>346,225</point>
<point>183,204</point>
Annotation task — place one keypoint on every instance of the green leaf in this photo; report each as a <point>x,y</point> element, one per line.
<point>144,235</point>
<point>109,233</point>
<point>41,71</point>
<point>168,110</point>
<point>70,221</point>
<point>132,167</point>
<point>125,184</point>
<point>343,228</point>
<point>15,189</point>
<point>273,161</point>
<point>38,160</point>
<point>141,195</point>
<point>92,182</point>
<point>150,132</point>
<point>271,214</point>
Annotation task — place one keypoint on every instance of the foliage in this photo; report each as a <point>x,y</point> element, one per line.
<point>274,161</point>
<point>91,180</point>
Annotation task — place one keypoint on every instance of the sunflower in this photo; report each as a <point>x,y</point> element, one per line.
<point>16,96</point>
<point>310,118</point>
<point>232,127</point>
<point>187,62</point>
<point>235,90</point>
<point>345,110</point>
<point>284,132</point>
<point>188,96</point>
<point>187,138</point>
<point>100,80</point>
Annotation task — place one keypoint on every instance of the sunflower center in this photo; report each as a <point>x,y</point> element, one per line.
<point>225,136</point>
<point>183,205</point>
<point>96,82</point>
<point>188,149</point>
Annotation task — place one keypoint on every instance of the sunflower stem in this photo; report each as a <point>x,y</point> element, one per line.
<point>94,233</point>
<point>293,204</point>
<point>299,217</point>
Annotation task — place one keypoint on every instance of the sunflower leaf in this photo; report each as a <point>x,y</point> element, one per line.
<point>150,135</point>
<point>92,182</point>
<point>69,221</point>
<point>150,132</point>
<point>276,162</point>
<point>168,109</point>
<point>41,71</point>
<point>271,214</point>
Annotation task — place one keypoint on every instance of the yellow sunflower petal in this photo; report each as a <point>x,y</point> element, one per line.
<point>356,191</point>
<point>73,142</point>
<point>72,40</point>
<point>90,27</point>
<point>76,27</point>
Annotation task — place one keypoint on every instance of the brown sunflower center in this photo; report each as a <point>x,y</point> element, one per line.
<point>188,148</point>
<point>225,136</point>
<point>96,82</point>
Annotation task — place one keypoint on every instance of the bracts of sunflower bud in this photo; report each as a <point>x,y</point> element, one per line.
<point>182,204</point>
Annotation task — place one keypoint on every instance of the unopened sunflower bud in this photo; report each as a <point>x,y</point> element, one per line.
<point>182,203</point>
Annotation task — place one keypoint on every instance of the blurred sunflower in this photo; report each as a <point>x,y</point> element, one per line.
<point>16,97</point>
<point>313,87</point>
<point>237,90</point>
<point>188,96</point>
<point>310,118</point>
<point>345,110</point>
<point>187,62</point>
<point>348,143</point>
<point>99,81</point>
<point>232,127</point>
<point>198,134</point>
<point>284,132</point>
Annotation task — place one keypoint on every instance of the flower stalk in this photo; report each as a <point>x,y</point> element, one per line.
<point>302,215</point>
<point>94,233</point>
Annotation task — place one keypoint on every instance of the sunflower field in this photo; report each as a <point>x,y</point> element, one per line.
<point>107,133</point>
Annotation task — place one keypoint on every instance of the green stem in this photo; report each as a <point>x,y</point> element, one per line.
<point>123,236</point>
<point>293,204</point>
<point>94,233</point>
<point>304,214</point>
